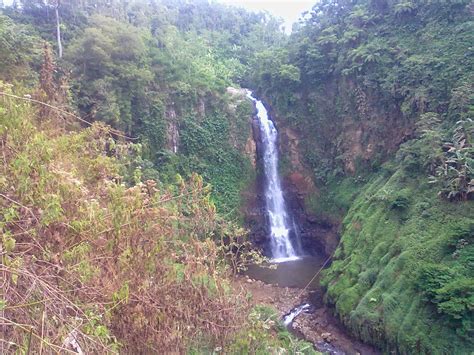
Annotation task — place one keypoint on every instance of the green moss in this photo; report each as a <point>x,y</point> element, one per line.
<point>401,276</point>
<point>334,198</point>
<point>348,299</point>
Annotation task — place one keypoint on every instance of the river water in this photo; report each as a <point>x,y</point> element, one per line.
<point>296,273</point>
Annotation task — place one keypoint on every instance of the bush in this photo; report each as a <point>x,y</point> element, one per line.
<point>89,258</point>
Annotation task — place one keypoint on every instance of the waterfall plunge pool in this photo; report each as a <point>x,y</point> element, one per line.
<point>293,272</point>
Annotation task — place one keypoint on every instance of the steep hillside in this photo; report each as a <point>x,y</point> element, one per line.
<point>377,98</point>
<point>402,276</point>
<point>111,240</point>
<point>158,71</point>
<point>93,264</point>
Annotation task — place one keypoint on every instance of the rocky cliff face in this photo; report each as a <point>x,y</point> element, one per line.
<point>343,129</point>
<point>211,134</point>
<point>172,130</point>
<point>254,200</point>
<point>317,236</point>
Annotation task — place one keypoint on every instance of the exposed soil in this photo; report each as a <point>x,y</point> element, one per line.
<point>320,328</point>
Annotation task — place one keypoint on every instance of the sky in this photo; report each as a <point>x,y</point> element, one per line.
<point>289,10</point>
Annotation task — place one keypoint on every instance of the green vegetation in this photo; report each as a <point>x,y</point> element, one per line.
<point>363,73</point>
<point>94,263</point>
<point>380,96</point>
<point>125,154</point>
<point>82,252</point>
<point>111,242</point>
<point>155,70</point>
<point>263,317</point>
<point>215,159</point>
<point>402,276</point>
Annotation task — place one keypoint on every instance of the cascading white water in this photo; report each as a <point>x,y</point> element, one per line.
<point>289,317</point>
<point>280,242</point>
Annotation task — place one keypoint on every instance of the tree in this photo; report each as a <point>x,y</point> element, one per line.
<point>111,71</point>
<point>18,50</point>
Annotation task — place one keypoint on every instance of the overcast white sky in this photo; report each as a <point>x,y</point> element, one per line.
<point>289,10</point>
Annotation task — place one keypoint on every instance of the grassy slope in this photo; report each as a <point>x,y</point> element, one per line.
<point>394,230</point>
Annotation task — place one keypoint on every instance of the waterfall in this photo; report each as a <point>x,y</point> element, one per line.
<point>281,245</point>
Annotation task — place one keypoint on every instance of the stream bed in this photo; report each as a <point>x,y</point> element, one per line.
<point>292,288</point>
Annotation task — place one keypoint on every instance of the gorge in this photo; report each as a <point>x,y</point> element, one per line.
<point>151,204</point>
<point>295,267</point>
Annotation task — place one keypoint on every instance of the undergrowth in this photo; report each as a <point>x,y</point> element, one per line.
<point>402,276</point>
<point>92,262</point>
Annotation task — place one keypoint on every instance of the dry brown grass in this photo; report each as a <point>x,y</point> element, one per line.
<point>88,264</point>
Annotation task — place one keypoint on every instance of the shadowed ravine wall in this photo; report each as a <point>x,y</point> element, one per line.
<point>318,236</point>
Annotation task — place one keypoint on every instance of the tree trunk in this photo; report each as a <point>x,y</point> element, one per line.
<point>58,29</point>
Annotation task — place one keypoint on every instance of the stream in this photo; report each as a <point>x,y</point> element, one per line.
<point>303,311</point>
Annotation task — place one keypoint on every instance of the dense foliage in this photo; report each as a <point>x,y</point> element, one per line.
<point>402,276</point>
<point>379,64</point>
<point>120,246</point>
<point>90,264</point>
<point>111,242</point>
<point>380,94</point>
<point>149,68</point>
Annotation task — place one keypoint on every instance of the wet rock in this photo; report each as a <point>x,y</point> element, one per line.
<point>327,337</point>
